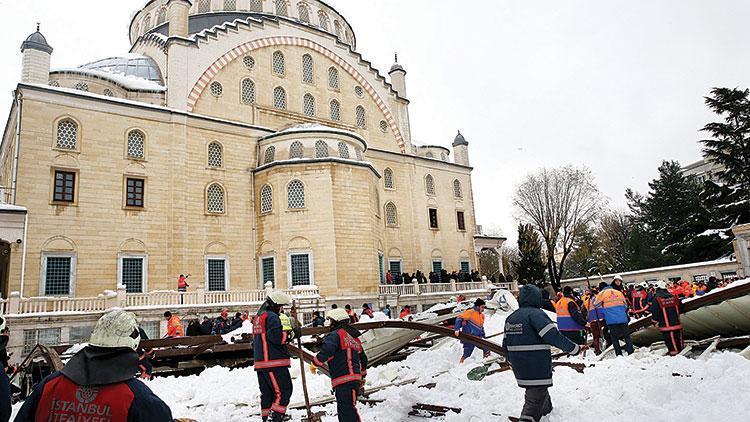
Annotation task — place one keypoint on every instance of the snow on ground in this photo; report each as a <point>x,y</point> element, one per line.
<point>639,387</point>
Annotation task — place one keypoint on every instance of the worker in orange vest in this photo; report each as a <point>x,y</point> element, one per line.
<point>174,325</point>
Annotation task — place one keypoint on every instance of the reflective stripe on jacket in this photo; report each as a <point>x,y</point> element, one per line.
<point>344,356</point>
<point>471,321</point>
<point>174,327</point>
<point>269,343</point>
<point>614,306</point>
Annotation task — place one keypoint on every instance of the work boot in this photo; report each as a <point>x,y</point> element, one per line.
<point>279,417</point>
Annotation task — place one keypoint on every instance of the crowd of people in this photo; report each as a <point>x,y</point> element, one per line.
<point>443,276</point>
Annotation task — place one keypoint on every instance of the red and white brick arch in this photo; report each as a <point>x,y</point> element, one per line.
<point>243,49</point>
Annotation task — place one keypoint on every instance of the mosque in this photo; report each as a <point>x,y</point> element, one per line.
<point>239,141</point>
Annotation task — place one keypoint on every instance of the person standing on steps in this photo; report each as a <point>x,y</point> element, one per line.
<point>529,335</point>
<point>471,321</point>
<point>182,286</point>
<point>347,363</point>
<point>272,359</point>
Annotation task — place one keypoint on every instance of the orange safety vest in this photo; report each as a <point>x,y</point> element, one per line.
<point>174,327</point>
<point>565,321</point>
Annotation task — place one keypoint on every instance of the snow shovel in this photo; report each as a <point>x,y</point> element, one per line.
<point>310,416</point>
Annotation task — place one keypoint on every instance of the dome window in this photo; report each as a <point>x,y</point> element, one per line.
<point>256,5</point>
<point>308,75</point>
<point>279,64</point>
<point>323,20</point>
<point>279,98</point>
<point>361,117</point>
<point>321,149</point>
<point>204,6</point>
<point>230,4</point>
<point>161,16</point>
<point>281,8</point>
<point>249,62</point>
<point>333,78</point>
<point>296,150</point>
<point>359,91</point>
<point>309,105</point>
<point>358,153</point>
<point>54,83</point>
<point>248,91</point>
<point>383,126</point>
<point>270,155</point>
<point>337,29</point>
<point>343,150</point>
<point>108,92</point>
<point>335,110</point>
<point>304,12</point>
<point>82,86</point>
<point>216,89</point>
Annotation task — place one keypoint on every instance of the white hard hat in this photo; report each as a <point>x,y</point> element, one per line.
<point>617,277</point>
<point>280,298</point>
<point>661,284</point>
<point>338,314</point>
<point>116,329</point>
<point>644,285</point>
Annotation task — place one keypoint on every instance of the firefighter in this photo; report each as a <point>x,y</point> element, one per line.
<point>665,312</point>
<point>640,300</point>
<point>347,363</point>
<point>471,321</point>
<point>99,380</point>
<point>174,325</point>
<point>570,320</point>
<point>272,358</point>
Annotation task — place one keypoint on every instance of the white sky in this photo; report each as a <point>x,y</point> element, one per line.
<point>613,85</point>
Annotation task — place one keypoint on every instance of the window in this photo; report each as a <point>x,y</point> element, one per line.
<point>429,155</point>
<point>380,268</point>
<point>383,126</point>
<point>323,20</point>
<point>464,266</point>
<point>82,86</point>
<point>266,199</point>
<point>216,271</point>
<point>248,91</point>
<point>300,269</point>
<point>343,150</point>
<point>67,134</point>
<point>108,92</point>
<point>204,6</point>
<point>361,117</point>
<point>65,186</point>
<point>333,78</point>
<point>429,184</point>
<point>270,155</point>
<point>256,5</point>
<point>215,155</point>
<point>161,16</point>
<point>296,150</point>
<point>295,195</point>
<point>391,215</point>
<point>308,105</point>
<point>281,7</point>
<point>304,13</point>
<point>457,192</point>
<point>437,268</point>
<point>216,89</point>
<point>278,62</point>
<point>80,334</point>
<point>132,270</point>
<point>54,83</point>
<point>279,98</point>
<point>59,274</point>
<point>335,110</point>
<point>268,270</point>
<point>337,28</point>
<point>308,74</point>
<point>433,218</point>
<point>460,220</point>
<point>394,267</point>
<point>249,62</point>
<point>147,23</point>
<point>359,91</point>
<point>134,192</point>
<point>230,4</point>
<point>321,149</point>
<point>136,140</point>
<point>388,178</point>
<point>215,199</point>
<point>43,336</point>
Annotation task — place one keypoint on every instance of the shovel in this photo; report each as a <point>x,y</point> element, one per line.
<point>478,373</point>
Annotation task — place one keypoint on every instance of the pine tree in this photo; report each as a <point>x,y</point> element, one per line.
<point>530,265</point>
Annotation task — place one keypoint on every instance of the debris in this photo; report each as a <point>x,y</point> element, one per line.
<point>423,410</point>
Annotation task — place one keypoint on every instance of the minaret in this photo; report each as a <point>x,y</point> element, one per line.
<point>178,49</point>
<point>178,12</point>
<point>36,58</point>
<point>398,78</point>
<point>460,150</point>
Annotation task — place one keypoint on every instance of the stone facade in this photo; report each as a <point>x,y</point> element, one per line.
<point>167,178</point>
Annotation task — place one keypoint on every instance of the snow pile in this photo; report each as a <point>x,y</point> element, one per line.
<point>128,81</point>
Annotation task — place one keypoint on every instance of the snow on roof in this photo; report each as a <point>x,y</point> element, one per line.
<point>667,268</point>
<point>126,81</point>
<point>11,208</point>
<point>317,127</point>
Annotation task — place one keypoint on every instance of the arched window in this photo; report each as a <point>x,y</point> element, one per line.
<point>248,91</point>
<point>429,155</point>
<point>269,155</point>
<point>216,89</point>
<point>321,149</point>
<point>67,134</point>
<point>309,105</point>
<point>388,178</point>
<point>391,214</point>
<point>333,78</point>
<point>457,192</point>
<point>215,155</point>
<point>337,29</point>
<point>136,141</point>
<point>323,20</point>
<point>266,199</point>
<point>108,92</point>
<point>335,110</point>
<point>215,199</point>
<point>343,150</point>
<point>82,86</point>
<point>296,150</point>
<point>383,126</point>
<point>281,9</point>
<point>429,184</point>
<point>361,117</point>
<point>347,37</point>
<point>304,12</point>
<point>161,16</point>
<point>54,83</point>
<point>308,75</point>
<point>204,6</point>
<point>279,65</point>
<point>147,23</point>
<point>230,4</point>
<point>279,98</point>
<point>256,5</point>
<point>443,156</point>
<point>295,195</point>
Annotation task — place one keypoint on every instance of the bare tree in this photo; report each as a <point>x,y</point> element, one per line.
<point>560,203</point>
<point>613,234</point>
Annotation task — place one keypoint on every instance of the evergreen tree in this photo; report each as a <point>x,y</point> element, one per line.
<point>529,265</point>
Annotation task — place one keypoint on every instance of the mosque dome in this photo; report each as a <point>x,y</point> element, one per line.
<point>36,41</point>
<point>136,65</point>
<point>459,140</point>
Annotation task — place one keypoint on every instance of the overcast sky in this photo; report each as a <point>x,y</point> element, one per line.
<point>616,86</point>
